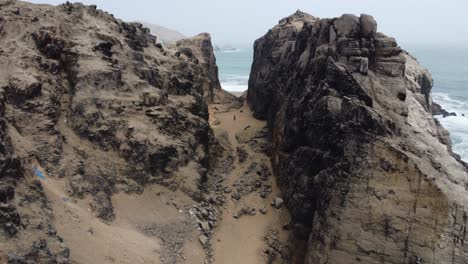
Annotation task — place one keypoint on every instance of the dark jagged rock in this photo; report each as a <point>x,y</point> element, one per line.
<point>366,171</point>
<point>438,110</point>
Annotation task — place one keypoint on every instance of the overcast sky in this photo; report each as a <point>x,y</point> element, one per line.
<point>431,22</point>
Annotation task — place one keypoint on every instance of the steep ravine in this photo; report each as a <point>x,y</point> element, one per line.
<point>252,228</point>
<point>108,153</point>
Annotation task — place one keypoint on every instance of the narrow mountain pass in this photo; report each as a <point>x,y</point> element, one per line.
<point>253,227</point>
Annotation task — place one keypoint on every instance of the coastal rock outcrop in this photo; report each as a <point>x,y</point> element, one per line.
<point>366,170</point>
<point>200,49</point>
<point>98,103</point>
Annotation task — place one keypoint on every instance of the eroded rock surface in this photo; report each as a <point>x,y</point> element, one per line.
<point>97,102</point>
<point>366,171</point>
<point>200,49</point>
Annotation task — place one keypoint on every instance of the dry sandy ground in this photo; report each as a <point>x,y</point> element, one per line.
<point>123,240</point>
<point>243,240</point>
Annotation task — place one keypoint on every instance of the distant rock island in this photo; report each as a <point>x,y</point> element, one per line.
<point>226,48</point>
<point>165,35</point>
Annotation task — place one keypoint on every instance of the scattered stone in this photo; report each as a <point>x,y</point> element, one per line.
<point>264,172</point>
<point>9,218</point>
<point>205,226</point>
<point>245,211</point>
<point>236,196</point>
<point>278,203</point>
<point>242,154</point>
<point>227,189</point>
<point>203,240</point>
<point>204,212</point>
<point>257,184</point>
<point>263,210</point>
<point>274,248</point>
<point>154,97</point>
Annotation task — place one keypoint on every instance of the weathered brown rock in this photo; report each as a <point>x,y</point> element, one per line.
<point>97,102</point>
<point>199,49</point>
<point>347,26</point>
<point>368,26</point>
<point>365,169</point>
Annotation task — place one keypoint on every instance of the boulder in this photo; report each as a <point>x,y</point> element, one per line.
<point>22,87</point>
<point>154,97</point>
<point>278,203</point>
<point>437,109</point>
<point>7,192</point>
<point>203,240</point>
<point>205,226</point>
<point>347,26</point>
<point>368,26</point>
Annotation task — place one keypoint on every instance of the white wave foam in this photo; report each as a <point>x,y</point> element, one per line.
<point>234,76</point>
<point>458,128</point>
<point>450,104</point>
<point>234,83</point>
<point>456,125</point>
<point>231,50</point>
<point>234,87</point>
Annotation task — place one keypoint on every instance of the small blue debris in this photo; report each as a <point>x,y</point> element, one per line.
<point>39,173</point>
<point>65,199</point>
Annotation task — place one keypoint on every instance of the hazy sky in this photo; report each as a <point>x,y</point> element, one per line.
<point>431,22</point>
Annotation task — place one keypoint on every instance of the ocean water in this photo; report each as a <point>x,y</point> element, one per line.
<point>448,65</point>
<point>449,68</point>
<point>234,68</point>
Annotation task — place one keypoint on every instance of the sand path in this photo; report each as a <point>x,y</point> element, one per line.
<point>243,240</point>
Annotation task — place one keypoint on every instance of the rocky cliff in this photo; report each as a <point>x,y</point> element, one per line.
<point>200,48</point>
<point>366,171</point>
<point>96,103</point>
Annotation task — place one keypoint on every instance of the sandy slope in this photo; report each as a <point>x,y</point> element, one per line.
<point>125,239</point>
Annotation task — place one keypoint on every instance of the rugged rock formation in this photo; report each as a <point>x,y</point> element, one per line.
<point>362,162</point>
<point>438,110</point>
<point>96,101</point>
<point>200,49</point>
